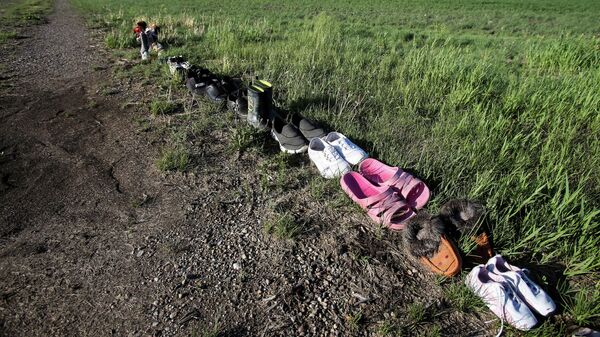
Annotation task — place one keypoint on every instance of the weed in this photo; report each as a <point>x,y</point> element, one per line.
<point>214,331</point>
<point>354,320</point>
<point>5,36</point>
<point>416,312</point>
<point>242,138</point>
<point>163,107</point>
<point>388,328</point>
<point>434,331</point>
<point>283,226</point>
<point>173,159</point>
<point>584,306</point>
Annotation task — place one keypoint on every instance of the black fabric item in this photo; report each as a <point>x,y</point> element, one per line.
<point>287,135</point>
<point>308,129</point>
<point>422,234</point>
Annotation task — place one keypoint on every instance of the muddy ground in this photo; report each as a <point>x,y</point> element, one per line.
<point>96,241</point>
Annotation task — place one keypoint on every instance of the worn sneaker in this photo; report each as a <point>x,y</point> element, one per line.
<point>145,56</point>
<point>500,296</point>
<point>530,293</point>
<point>328,161</point>
<point>289,138</point>
<point>349,151</point>
<point>308,129</point>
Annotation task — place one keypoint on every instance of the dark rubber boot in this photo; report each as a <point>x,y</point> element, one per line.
<point>255,107</point>
<point>268,111</point>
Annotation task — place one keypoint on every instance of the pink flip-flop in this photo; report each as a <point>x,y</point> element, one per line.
<point>382,204</point>
<point>412,189</point>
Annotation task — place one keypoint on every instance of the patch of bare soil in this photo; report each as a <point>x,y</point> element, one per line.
<point>95,241</point>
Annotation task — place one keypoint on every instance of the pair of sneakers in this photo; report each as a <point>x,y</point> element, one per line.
<point>510,293</point>
<point>294,137</point>
<point>334,154</point>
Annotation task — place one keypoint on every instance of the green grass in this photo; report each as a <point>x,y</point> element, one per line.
<point>173,159</point>
<point>163,107</point>
<point>19,13</point>
<point>497,100</point>
<point>22,12</point>
<point>283,226</point>
<point>461,297</point>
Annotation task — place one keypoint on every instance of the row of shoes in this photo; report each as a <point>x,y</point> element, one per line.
<point>389,195</point>
<point>509,293</point>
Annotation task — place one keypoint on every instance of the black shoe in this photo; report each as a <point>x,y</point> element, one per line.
<point>289,138</point>
<point>307,128</point>
<point>196,88</point>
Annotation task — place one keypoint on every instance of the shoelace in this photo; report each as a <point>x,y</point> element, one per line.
<point>531,286</point>
<point>344,145</point>
<point>331,154</point>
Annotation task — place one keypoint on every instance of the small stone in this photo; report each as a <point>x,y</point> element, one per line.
<point>140,253</point>
<point>173,315</point>
<point>154,324</point>
<point>156,279</point>
<point>237,266</point>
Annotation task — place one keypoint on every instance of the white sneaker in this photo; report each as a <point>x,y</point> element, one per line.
<point>529,292</point>
<point>145,56</point>
<point>327,159</point>
<point>349,151</point>
<point>501,298</point>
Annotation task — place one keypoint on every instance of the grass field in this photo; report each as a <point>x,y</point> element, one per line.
<point>493,100</point>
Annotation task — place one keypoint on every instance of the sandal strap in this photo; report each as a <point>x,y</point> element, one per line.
<point>370,201</point>
<point>386,208</point>
<point>403,181</point>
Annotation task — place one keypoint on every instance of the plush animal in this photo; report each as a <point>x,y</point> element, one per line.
<point>422,234</point>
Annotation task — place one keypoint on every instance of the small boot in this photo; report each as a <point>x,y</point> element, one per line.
<point>256,108</point>
<point>267,112</point>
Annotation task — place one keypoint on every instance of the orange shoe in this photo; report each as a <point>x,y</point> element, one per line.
<point>446,261</point>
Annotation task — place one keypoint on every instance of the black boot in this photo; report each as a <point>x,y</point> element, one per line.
<point>268,111</point>
<point>256,107</point>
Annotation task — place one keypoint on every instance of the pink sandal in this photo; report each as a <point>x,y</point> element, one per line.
<point>414,191</point>
<point>382,204</point>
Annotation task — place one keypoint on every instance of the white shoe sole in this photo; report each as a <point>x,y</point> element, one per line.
<point>283,149</point>
<point>300,150</point>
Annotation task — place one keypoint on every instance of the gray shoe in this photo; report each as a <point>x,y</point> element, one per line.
<point>307,128</point>
<point>289,138</point>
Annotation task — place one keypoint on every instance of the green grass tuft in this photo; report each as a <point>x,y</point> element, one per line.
<point>283,226</point>
<point>173,159</point>
<point>462,298</point>
<point>163,107</point>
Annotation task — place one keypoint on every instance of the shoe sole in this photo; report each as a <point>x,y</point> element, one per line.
<point>300,150</point>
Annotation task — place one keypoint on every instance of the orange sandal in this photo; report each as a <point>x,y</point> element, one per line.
<point>446,261</point>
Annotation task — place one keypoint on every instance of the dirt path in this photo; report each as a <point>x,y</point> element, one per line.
<point>71,168</point>
<point>94,241</point>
